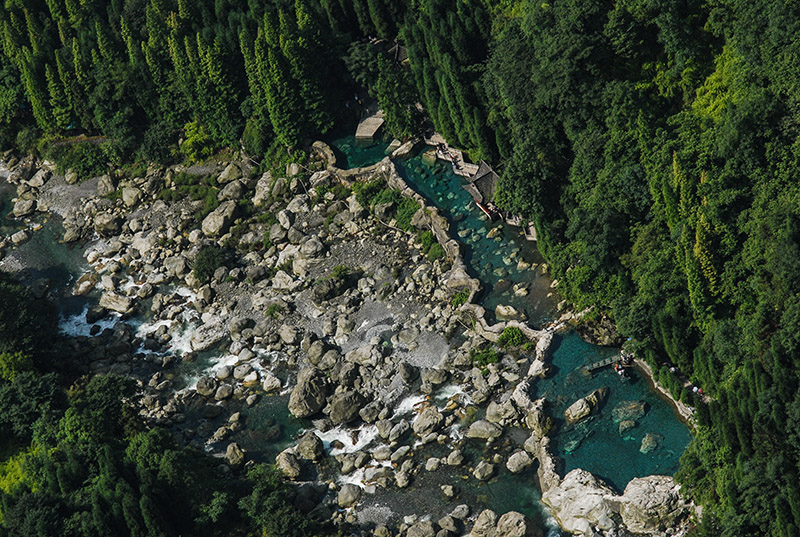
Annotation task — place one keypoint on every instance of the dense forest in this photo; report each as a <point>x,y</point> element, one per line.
<point>653,142</point>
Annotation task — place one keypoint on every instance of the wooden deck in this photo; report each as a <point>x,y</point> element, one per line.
<point>368,126</point>
<point>603,363</point>
<point>452,155</point>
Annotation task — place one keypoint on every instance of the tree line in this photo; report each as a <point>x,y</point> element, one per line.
<point>652,142</point>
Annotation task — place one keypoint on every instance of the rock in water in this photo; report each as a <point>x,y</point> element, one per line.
<point>578,503</point>
<point>651,504</point>
<point>288,464</point>
<point>234,455</point>
<point>629,410</point>
<point>428,421</point>
<point>308,397</point>
<point>484,429</point>
<point>483,471</point>
<point>518,462</point>
<point>114,302</point>
<point>650,442</point>
<point>349,494</point>
<point>24,208</point>
<point>345,407</point>
<point>584,406</point>
<point>513,524</point>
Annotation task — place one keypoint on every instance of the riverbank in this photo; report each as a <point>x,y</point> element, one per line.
<point>340,315</point>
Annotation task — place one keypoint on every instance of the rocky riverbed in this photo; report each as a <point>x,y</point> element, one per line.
<point>330,309</point>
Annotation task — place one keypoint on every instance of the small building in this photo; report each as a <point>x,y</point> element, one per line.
<point>482,186</point>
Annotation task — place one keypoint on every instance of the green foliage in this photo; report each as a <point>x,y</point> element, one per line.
<point>406,209</point>
<point>87,159</point>
<point>460,298</point>
<point>367,192</point>
<point>485,356</point>
<point>208,260</point>
<point>274,311</point>
<point>198,144</point>
<point>435,252</point>
<point>13,363</point>
<point>430,247</point>
<point>340,272</point>
<point>512,337</point>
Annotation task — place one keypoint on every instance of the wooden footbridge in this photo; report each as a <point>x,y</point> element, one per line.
<point>603,363</point>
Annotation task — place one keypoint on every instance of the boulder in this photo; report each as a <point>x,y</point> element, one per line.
<point>105,185</point>
<point>348,495</point>
<point>107,224</point>
<point>485,524</point>
<point>428,421</point>
<point>345,407</point>
<point>24,208</point>
<point>206,386</point>
<point>234,455</point>
<point>131,196</point>
<point>538,369</point>
<point>513,524</point>
<point>310,447</point>
<point>219,220</point>
<point>233,191</point>
<point>543,345</point>
<point>650,442</point>
<point>579,503</point>
<point>312,248</point>
<point>422,529</point>
<point>585,405</point>
<point>629,410</point>
<point>483,471</point>
<point>176,266</point>
<point>208,335</point>
<point>39,178</point>
<point>519,462</point>
<point>262,192</point>
<point>651,504</point>
<point>288,464</point>
<point>114,302</point>
<point>501,413</point>
<point>230,173</point>
<point>484,429</point>
<point>308,397</point>
<point>288,334</point>
<point>20,237</point>
<point>269,382</point>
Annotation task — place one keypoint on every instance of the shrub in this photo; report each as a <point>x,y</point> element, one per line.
<point>484,357</point>
<point>86,159</point>
<point>274,311</point>
<point>406,210</point>
<point>367,192</point>
<point>208,260</point>
<point>512,337</point>
<point>340,272</point>
<point>460,298</point>
<point>197,144</point>
<point>435,252</point>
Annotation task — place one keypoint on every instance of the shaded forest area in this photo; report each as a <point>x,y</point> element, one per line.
<point>653,142</point>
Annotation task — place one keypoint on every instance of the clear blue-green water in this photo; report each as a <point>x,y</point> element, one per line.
<point>492,250</point>
<point>594,444</point>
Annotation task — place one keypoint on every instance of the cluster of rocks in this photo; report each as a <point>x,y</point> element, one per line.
<point>347,345</point>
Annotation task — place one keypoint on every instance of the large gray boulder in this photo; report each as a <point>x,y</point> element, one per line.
<point>114,302</point>
<point>219,220</point>
<point>485,524</point>
<point>422,529</point>
<point>483,471</point>
<point>513,524</point>
<point>24,208</point>
<point>308,397</point>
<point>107,224</point>
<point>233,191</point>
<point>262,193</point>
<point>518,462</point>
<point>208,335</point>
<point>629,410</point>
<point>288,464</point>
<point>651,504</point>
<point>345,407</point>
<point>310,447</point>
<point>585,405</point>
<point>428,421</point>
<point>234,455</point>
<point>484,429</point>
<point>348,495</point>
<point>230,173</point>
<point>131,196</point>
<point>579,503</point>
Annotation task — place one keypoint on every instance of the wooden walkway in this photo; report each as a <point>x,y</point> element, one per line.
<point>452,155</point>
<point>603,363</point>
<point>368,126</point>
